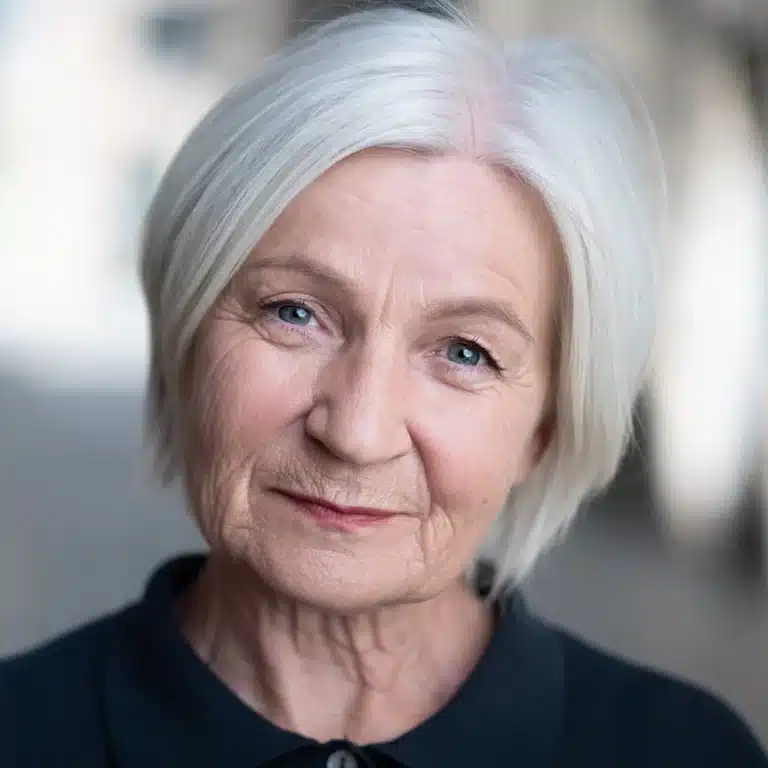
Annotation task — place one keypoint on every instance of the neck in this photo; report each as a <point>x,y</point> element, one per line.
<point>367,677</point>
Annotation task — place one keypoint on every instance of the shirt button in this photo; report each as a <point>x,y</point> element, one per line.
<point>342,759</point>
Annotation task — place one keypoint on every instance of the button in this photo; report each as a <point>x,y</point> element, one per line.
<point>342,759</point>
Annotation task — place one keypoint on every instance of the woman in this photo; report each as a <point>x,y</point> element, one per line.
<point>401,299</point>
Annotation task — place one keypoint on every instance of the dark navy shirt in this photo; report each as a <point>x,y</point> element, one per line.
<point>129,691</point>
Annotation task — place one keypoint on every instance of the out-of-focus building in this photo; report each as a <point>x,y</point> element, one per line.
<point>96,97</point>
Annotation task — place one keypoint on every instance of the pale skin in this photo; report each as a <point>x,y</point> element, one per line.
<point>387,345</point>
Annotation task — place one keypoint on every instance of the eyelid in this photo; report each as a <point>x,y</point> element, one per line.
<point>272,304</point>
<point>270,307</point>
<point>493,359</point>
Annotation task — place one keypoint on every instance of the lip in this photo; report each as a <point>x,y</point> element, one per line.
<point>331,515</point>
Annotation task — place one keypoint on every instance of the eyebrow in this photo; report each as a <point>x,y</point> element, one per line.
<point>439,310</point>
<point>479,308</point>
<point>305,265</point>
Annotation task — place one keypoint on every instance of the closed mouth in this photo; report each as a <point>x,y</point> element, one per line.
<point>337,515</point>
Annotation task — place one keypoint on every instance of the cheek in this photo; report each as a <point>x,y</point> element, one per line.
<point>242,401</point>
<point>246,391</point>
<point>472,462</point>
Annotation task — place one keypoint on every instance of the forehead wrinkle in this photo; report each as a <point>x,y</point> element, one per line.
<point>388,305</point>
<point>377,265</point>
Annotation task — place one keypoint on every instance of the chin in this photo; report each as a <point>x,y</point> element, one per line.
<point>334,588</point>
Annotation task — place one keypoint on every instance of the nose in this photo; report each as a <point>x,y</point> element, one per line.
<point>358,411</point>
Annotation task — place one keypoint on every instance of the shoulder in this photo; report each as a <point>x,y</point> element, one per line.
<point>52,693</point>
<point>71,659</point>
<point>647,717</point>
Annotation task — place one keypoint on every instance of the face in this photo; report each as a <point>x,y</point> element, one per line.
<point>386,349</point>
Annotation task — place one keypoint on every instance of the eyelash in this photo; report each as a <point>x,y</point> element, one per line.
<point>272,307</point>
<point>473,341</point>
<point>493,362</point>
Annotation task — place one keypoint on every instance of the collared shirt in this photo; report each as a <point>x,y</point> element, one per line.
<point>129,691</point>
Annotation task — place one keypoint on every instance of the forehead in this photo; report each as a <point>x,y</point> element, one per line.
<point>435,221</point>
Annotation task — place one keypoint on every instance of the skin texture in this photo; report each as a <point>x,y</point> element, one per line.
<point>388,344</point>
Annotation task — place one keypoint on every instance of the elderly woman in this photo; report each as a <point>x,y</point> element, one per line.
<point>401,299</point>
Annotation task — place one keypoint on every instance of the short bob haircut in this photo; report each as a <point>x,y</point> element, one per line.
<point>547,110</point>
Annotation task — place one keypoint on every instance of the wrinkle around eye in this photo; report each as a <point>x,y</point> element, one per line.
<point>482,376</point>
<point>321,331</point>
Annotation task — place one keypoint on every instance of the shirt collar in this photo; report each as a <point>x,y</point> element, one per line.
<point>160,697</point>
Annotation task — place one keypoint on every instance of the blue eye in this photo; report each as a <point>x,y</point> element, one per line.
<point>466,353</point>
<point>294,314</point>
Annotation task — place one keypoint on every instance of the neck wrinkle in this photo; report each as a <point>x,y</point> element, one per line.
<point>365,678</point>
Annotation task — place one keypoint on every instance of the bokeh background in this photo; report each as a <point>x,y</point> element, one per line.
<point>668,568</point>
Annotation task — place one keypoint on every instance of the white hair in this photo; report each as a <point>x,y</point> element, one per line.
<point>548,110</point>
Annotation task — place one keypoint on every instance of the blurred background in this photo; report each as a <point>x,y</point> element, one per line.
<point>669,567</point>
